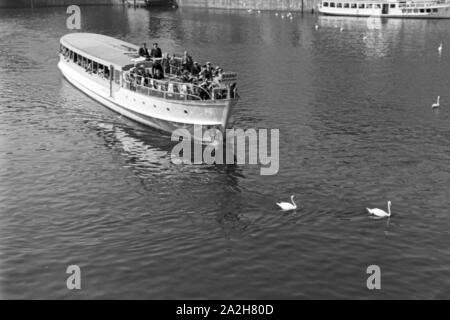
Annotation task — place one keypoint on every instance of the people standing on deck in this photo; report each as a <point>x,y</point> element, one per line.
<point>157,71</point>
<point>209,71</point>
<point>206,72</point>
<point>173,65</point>
<point>206,80</point>
<point>166,63</point>
<point>196,69</point>
<point>187,62</point>
<point>204,93</point>
<point>156,51</point>
<point>143,51</point>
<point>218,75</point>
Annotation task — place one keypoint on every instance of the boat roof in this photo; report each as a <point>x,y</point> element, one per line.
<point>103,49</point>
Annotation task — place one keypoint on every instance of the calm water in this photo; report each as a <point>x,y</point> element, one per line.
<point>82,185</point>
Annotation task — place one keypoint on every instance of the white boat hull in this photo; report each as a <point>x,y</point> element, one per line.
<point>159,113</point>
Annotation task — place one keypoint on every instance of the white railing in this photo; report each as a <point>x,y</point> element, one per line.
<point>167,89</point>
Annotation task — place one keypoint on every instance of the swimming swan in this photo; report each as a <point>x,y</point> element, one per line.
<point>381,213</point>
<point>436,105</point>
<point>286,206</point>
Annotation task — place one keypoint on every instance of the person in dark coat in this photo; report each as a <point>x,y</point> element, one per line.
<point>156,52</point>
<point>196,69</point>
<point>143,51</point>
<point>157,67</point>
<point>186,62</point>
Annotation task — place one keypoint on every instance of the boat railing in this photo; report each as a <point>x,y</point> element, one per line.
<point>172,90</point>
<point>172,66</point>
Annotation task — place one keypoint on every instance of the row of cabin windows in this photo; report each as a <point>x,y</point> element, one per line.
<point>419,10</point>
<point>355,5</point>
<point>370,6</point>
<point>89,65</point>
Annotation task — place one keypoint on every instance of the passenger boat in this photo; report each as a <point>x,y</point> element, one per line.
<point>151,3</point>
<point>386,8</point>
<point>100,67</point>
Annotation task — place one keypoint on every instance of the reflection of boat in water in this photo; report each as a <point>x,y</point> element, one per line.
<point>386,8</point>
<point>101,67</point>
<point>135,147</point>
<point>149,154</point>
<point>151,3</point>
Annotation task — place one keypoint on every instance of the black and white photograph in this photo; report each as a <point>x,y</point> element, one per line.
<point>242,151</point>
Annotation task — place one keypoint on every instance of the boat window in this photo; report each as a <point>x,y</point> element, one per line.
<point>416,10</point>
<point>361,5</point>
<point>332,4</point>
<point>435,10</point>
<point>369,6</point>
<point>422,10</point>
<point>428,10</point>
<point>409,10</point>
<point>353,5</point>
<point>403,10</point>
<point>378,5</point>
<point>325,4</point>
<point>346,5</point>
<point>339,5</point>
<point>392,5</point>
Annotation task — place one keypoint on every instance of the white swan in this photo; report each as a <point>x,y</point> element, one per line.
<point>381,213</point>
<point>440,48</point>
<point>316,26</point>
<point>436,105</point>
<point>286,206</point>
